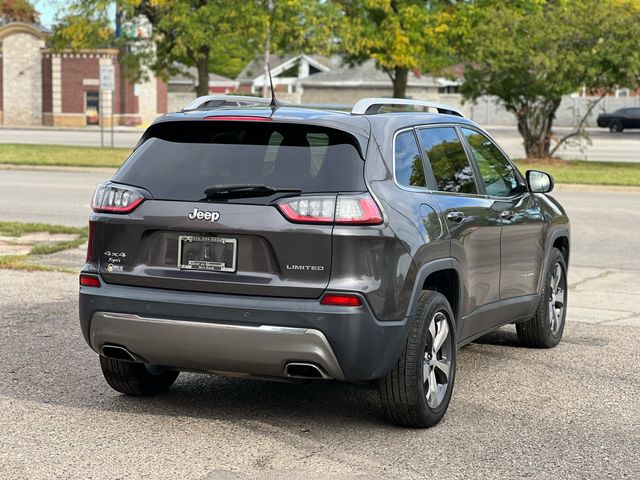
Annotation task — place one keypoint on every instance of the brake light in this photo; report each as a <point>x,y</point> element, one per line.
<point>341,300</point>
<point>340,209</point>
<point>238,118</point>
<point>89,281</point>
<point>357,209</point>
<point>111,198</point>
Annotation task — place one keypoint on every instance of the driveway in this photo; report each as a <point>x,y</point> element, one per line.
<point>571,412</point>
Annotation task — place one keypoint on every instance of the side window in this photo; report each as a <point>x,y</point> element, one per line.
<point>408,162</point>
<point>497,174</point>
<point>448,160</point>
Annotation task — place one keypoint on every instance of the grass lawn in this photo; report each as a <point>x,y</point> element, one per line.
<point>62,155</point>
<point>590,173</point>
<point>17,229</point>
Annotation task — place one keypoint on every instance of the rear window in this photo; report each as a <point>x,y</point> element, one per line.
<point>182,159</point>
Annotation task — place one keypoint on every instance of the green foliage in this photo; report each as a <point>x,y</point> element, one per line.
<point>17,11</point>
<point>400,35</point>
<point>529,53</point>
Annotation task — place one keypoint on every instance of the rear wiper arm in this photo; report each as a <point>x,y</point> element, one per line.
<point>245,190</point>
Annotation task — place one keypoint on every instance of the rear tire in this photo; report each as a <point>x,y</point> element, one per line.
<point>135,378</point>
<point>615,126</point>
<point>416,393</point>
<point>545,329</point>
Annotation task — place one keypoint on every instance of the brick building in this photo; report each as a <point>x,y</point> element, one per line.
<point>42,87</point>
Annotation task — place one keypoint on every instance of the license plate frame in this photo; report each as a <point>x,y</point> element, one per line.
<point>204,265</point>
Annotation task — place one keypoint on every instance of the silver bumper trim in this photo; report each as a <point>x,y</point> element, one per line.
<point>261,350</point>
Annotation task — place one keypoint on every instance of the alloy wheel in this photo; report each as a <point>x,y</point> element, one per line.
<point>556,299</point>
<point>436,367</point>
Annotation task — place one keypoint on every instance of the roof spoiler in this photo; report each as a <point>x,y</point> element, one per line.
<point>211,102</point>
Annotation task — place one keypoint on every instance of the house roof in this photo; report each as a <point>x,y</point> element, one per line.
<point>279,64</point>
<point>190,77</point>
<point>366,74</point>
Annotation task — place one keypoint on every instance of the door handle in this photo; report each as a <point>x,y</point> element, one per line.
<point>507,214</point>
<point>455,216</point>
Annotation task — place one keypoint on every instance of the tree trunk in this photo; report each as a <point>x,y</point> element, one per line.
<point>400,78</point>
<point>535,122</point>
<point>202,64</point>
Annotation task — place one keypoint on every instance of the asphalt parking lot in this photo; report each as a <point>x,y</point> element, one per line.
<point>571,412</point>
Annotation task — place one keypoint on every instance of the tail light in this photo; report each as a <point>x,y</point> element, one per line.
<point>112,198</point>
<point>341,300</point>
<point>340,209</point>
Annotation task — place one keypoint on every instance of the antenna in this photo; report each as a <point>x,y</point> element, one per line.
<point>274,102</point>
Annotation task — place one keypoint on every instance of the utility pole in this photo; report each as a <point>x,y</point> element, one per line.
<point>267,50</point>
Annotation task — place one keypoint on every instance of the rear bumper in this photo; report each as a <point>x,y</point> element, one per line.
<point>240,334</point>
<point>260,350</point>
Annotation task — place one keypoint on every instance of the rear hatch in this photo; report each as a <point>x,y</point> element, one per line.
<point>234,240</point>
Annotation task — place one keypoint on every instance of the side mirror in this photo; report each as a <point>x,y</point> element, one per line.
<point>539,182</point>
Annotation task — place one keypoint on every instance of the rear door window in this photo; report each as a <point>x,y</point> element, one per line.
<point>448,160</point>
<point>182,159</point>
<point>408,161</point>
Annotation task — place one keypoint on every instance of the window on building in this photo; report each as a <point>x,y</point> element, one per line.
<point>92,107</point>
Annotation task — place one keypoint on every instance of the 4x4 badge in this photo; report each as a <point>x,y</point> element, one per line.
<point>198,214</point>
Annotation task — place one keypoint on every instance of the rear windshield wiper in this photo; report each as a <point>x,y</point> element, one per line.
<point>245,190</point>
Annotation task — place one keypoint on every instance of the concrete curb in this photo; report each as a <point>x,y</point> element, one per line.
<point>118,129</point>
<point>575,187</point>
<point>56,168</point>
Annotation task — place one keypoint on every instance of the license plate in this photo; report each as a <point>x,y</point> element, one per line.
<point>212,254</point>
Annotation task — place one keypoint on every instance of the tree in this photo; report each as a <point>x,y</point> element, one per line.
<point>210,35</point>
<point>400,35</point>
<point>17,11</point>
<point>530,53</point>
<point>293,26</point>
<point>185,33</point>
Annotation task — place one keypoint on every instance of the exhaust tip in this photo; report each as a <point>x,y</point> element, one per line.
<point>305,371</point>
<point>119,353</point>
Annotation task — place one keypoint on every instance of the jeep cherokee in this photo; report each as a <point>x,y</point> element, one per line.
<point>301,243</point>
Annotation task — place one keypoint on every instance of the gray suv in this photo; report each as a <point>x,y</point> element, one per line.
<point>306,244</point>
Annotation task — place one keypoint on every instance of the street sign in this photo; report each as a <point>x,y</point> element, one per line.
<point>107,77</point>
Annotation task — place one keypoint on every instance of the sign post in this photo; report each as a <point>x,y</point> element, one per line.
<point>107,83</point>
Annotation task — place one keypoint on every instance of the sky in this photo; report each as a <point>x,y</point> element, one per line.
<point>48,10</point>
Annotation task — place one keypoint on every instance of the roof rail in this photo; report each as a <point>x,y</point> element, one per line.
<point>208,102</point>
<point>369,106</point>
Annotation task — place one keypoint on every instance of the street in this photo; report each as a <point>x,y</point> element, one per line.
<point>570,412</point>
<point>606,146</point>
<point>60,196</point>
